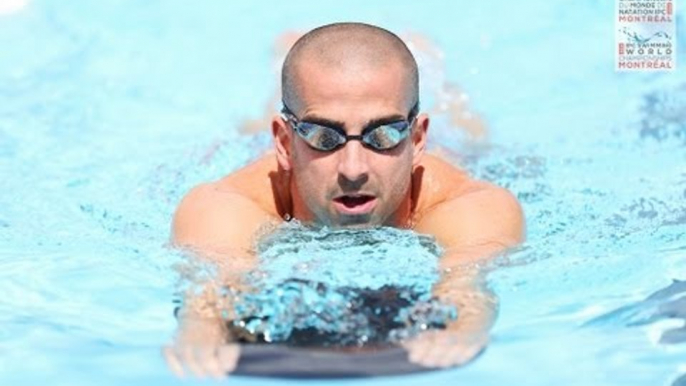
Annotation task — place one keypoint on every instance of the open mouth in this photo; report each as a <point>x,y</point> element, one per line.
<point>355,203</point>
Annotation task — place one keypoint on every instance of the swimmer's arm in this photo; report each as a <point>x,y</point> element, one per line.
<point>473,229</point>
<point>475,226</point>
<point>217,223</point>
<point>214,227</point>
<point>217,228</point>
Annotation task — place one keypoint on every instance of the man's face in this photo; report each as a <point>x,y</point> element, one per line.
<point>352,185</point>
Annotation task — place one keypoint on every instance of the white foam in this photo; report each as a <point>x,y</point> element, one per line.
<point>8,7</point>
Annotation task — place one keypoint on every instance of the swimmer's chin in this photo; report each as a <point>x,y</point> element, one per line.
<point>346,221</point>
<point>362,221</point>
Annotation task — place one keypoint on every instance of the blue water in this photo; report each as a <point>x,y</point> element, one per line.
<point>111,110</point>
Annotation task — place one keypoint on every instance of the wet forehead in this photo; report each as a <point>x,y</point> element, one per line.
<point>360,94</point>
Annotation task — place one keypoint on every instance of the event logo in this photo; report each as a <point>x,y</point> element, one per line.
<point>645,36</point>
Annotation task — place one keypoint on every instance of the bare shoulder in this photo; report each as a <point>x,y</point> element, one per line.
<point>259,181</point>
<point>213,217</point>
<point>473,212</point>
<point>440,181</point>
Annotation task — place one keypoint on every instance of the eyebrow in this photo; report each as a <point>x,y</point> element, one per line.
<point>340,125</point>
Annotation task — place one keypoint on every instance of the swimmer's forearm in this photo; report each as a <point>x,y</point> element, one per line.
<point>477,307</point>
<point>477,311</point>
<point>200,330</point>
<point>200,347</point>
<point>200,321</point>
<point>206,308</point>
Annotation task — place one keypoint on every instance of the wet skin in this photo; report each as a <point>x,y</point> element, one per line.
<point>352,186</point>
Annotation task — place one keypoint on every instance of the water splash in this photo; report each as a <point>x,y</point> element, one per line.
<point>339,287</point>
<point>664,115</point>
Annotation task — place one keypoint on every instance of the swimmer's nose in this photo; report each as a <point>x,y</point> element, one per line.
<point>352,162</point>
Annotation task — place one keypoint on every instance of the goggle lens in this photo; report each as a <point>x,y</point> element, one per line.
<point>323,138</point>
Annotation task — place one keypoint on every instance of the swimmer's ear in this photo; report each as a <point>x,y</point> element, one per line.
<point>419,131</point>
<point>282,142</point>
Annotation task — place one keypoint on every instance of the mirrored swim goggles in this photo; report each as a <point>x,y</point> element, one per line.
<point>380,137</point>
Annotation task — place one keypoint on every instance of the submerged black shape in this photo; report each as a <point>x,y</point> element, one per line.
<point>385,315</point>
<point>380,308</point>
<point>681,381</point>
<point>677,287</point>
<point>665,303</point>
<point>312,353</point>
<point>288,362</point>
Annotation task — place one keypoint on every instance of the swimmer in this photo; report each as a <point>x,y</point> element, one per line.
<point>349,151</point>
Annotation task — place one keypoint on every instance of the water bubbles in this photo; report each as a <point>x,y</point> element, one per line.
<point>341,287</point>
<point>664,115</point>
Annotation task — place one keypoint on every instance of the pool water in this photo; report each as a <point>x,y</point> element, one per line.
<point>111,110</point>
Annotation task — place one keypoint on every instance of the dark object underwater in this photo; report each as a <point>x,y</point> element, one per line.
<point>310,353</point>
<point>266,360</point>
<point>381,308</point>
<point>666,303</point>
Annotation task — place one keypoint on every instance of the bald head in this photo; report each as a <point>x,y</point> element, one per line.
<point>344,48</point>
